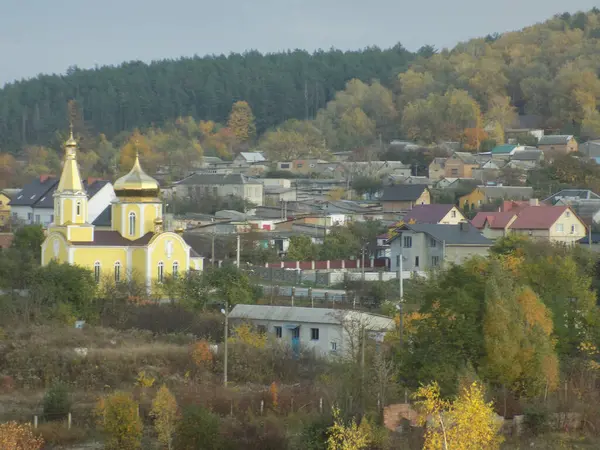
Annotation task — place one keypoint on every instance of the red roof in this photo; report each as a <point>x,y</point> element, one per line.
<point>427,213</point>
<point>538,217</point>
<point>494,219</point>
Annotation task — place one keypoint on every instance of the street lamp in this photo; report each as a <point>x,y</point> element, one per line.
<point>225,312</point>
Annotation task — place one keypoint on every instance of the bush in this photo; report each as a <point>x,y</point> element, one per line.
<point>198,429</point>
<point>57,403</point>
<point>536,418</point>
<point>55,433</point>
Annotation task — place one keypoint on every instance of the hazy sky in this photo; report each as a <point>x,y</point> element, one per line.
<point>45,36</point>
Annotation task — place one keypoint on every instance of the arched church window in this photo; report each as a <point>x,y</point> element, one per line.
<point>78,208</point>
<point>117,271</point>
<point>132,224</point>
<point>97,269</point>
<point>161,270</point>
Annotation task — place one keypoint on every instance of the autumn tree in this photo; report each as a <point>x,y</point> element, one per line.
<point>8,170</point>
<point>294,139</point>
<point>137,144</point>
<point>342,436</point>
<point>16,436</point>
<point>466,423</point>
<point>165,413</point>
<point>118,415</point>
<point>241,122</point>
<point>301,248</point>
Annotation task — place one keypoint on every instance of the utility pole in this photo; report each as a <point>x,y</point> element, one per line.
<point>212,254</point>
<point>226,332</point>
<point>237,258</point>
<point>400,273</point>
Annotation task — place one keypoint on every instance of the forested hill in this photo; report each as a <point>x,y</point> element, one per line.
<point>277,86</point>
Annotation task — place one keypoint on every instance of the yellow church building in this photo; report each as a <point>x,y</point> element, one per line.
<point>136,244</point>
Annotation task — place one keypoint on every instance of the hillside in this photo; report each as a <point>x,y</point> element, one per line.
<point>277,86</point>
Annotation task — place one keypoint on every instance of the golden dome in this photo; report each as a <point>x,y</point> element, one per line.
<point>71,142</point>
<point>136,183</point>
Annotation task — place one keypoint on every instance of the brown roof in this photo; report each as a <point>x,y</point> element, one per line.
<point>494,219</point>
<point>538,217</point>
<point>114,239</point>
<point>427,213</point>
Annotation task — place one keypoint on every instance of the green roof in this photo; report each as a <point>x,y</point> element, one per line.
<point>503,149</point>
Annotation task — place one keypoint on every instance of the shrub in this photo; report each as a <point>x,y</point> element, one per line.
<point>57,402</point>
<point>118,415</point>
<point>17,436</point>
<point>536,418</point>
<point>56,433</point>
<point>198,429</point>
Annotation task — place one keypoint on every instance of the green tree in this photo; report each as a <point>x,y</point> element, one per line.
<point>198,429</point>
<point>57,402</point>
<point>367,185</point>
<point>301,248</point>
<point>29,239</point>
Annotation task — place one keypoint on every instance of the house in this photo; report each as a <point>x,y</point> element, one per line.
<point>403,197</point>
<point>460,165</point>
<point>482,195</point>
<point>300,166</point>
<point>591,149</point>
<point>503,151</point>
<point>6,195</point>
<point>585,203</point>
<point>249,158</point>
<point>558,143</point>
<point>35,202</point>
<point>326,332</point>
<point>553,223</point>
<point>201,185</point>
<point>528,158</point>
<point>430,246</point>
<point>437,168</point>
<point>440,214</point>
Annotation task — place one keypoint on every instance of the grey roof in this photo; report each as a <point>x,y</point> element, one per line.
<point>461,234</point>
<point>467,158</point>
<point>439,161</point>
<point>527,155</point>
<point>572,194</point>
<point>215,179</point>
<point>104,218</point>
<point>11,193</point>
<point>212,160</point>
<point>555,139</point>
<point>309,315</point>
<point>253,156</point>
<point>590,148</point>
<point>508,192</point>
<point>230,214</point>
<point>585,209</point>
<point>402,192</point>
<point>34,191</point>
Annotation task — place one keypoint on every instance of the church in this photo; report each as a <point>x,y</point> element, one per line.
<point>136,245</point>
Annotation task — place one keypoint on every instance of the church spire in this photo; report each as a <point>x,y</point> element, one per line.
<point>70,179</point>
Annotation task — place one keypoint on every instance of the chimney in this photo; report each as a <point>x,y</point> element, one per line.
<point>534,202</point>
<point>92,180</point>
<point>464,226</point>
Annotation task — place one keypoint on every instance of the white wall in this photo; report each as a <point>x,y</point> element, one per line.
<point>46,215</point>
<point>280,182</point>
<point>100,202</point>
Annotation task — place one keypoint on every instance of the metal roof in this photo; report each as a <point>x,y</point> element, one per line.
<point>555,139</point>
<point>461,234</point>
<point>253,156</point>
<point>296,314</point>
<point>403,192</point>
<point>213,179</point>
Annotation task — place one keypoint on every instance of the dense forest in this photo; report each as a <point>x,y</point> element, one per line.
<point>277,86</point>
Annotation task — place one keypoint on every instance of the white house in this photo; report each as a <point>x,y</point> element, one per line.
<point>248,158</point>
<point>201,185</point>
<point>328,332</point>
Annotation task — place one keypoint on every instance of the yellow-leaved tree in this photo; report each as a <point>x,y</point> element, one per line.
<point>241,122</point>
<point>347,437</point>
<point>118,415</point>
<point>166,415</point>
<point>19,436</point>
<point>467,423</point>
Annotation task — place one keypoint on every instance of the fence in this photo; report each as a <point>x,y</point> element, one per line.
<point>370,263</point>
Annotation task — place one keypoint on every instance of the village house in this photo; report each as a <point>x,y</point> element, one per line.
<point>585,203</point>
<point>403,197</point>
<point>553,223</point>
<point>430,246</point>
<point>436,213</point>
<point>209,185</point>
<point>558,143</point>
<point>249,158</point>
<point>482,195</point>
<point>326,332</point>
<point>437,168</point>
<point>460,165</point>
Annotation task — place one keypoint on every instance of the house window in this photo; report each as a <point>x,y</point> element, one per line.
<point>314,334</point>
<point>278,332</point>
<point>161,271</point>
<point>117,272</point>
<point>560,228</point>
<point>51,217</point>
<point>453,214</point>
<point>175,269</point>
<point>435,261</point>
<point>573,229</point>
<point>285,165</point>
<point>432,242</point>
<point>416,261</point>
<point>97,269</point>
<point>131,224</point>
<point>334,346</point>
<point>78,208</point>
<point>454,172</point>
<point>29,217</point>
<point>568,214</point>
<point>407,241</point>
<point>398,260</point>
<point>37,218</point>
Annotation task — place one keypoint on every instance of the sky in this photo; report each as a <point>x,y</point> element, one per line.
<point>44,36</point>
